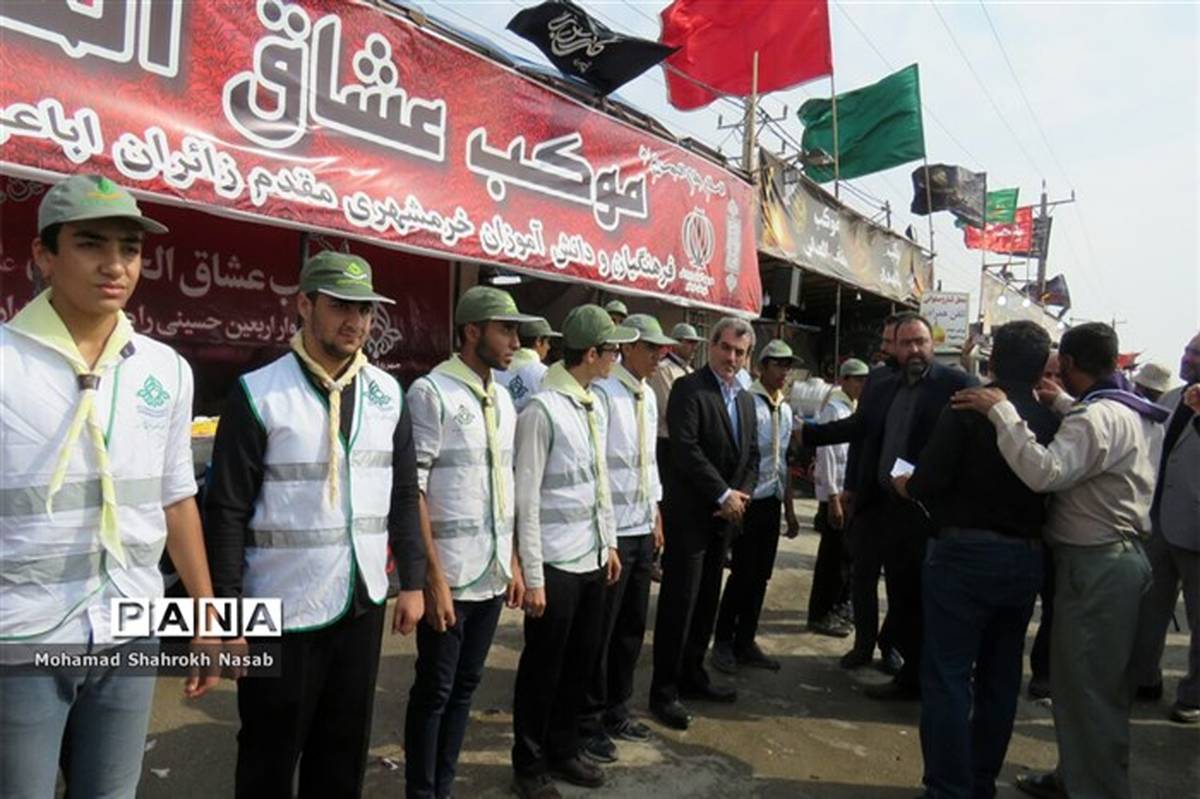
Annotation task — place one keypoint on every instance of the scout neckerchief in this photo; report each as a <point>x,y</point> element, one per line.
<point>774,402</point>
<point>40,322</point>
<point>837,395</point>
<point>457,370</point>
<point>638,389</point>
<point>560,380</point>
<point>334,390</point>
<point>523,357</point>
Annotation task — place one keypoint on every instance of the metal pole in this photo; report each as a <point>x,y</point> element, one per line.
<point>837,173</point>
<point>1041,281</point>
<point>749,147</point>
<point>837,332</point>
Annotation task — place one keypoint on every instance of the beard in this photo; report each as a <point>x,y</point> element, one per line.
<point>914,367</point>
<point>489,356</point>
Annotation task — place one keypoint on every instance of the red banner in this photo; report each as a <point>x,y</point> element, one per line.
<point>1014,237</point>
<point>223,291</point>
<point>339,118</point>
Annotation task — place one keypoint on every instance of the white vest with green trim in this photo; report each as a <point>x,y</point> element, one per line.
<point>771,481</point>
<point>569,509</point>
<point>634,513</point>
<point>300,548</point>
<point>472,539</point>
<point>51,568</point>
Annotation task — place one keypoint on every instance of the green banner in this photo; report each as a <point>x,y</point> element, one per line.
<point>1002,205</point>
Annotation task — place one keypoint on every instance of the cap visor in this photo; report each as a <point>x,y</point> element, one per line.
<point>511,317</point>
<point>657,340</point>
<point>368,297</point>
<point>622,335</point>
<point>144,222</point>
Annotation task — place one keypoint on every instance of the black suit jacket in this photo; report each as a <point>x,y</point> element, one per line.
<point>705,459</point>
<point>866,425</point>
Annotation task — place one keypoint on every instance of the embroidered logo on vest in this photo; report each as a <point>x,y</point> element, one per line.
<point>376,396</point>
<point>152,393</point>
<point>464,416</point>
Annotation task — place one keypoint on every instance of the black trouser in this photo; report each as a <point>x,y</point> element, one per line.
<point>829,584</point>
<point>625,608</point>
<point>449,667</point>
<point>687,610</point>
<point>868,533</point>
<point>753,561</point>
<point>1039,655</point>
<point>318,712</point>
<point>560,651</point>
<point>904,554</point>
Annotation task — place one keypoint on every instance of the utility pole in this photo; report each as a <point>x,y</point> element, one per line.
<point>1044,216</point>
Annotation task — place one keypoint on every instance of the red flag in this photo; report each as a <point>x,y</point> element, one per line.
<point>718,39</point>
<point>1016,236</point>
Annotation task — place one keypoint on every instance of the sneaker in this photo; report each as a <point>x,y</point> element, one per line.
<point>537,787</point>
<point>1039,687</point>
<point>856,659</point>
<point>830,625</point>
<point>600,749</point>
<point>628,729</point>
<point>722,658</point>
<point>754,656</point>
<point>891,663</point>
<point>578,771</point>
<point>1184,714</point>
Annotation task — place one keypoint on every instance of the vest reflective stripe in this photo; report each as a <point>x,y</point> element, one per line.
<point>300,548</point>
<point>79,496</point>
<point>471,541</point>
<point>769,479</point>
<point>633,503</point>
<point>569,510</point>
<point>51,567</point>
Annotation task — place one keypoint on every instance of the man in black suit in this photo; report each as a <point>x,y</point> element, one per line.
<point>715,458</point>
<point>895,421</point>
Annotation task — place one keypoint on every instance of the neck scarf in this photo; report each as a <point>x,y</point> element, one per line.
<point>638,390</point>
<point>523,357</point>
<point>40,322</point>
<point>1114,388</point>
<point>559,379</point>
<point>457,370</point>
<point>334,390</point>
<point>775,401</point>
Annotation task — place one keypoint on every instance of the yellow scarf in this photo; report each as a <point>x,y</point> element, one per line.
<point>455,369</point>
<point>334,389</point>
<point>40,322</point>
<point>559,379</point>
<point>638,389</point>
<point>775,401</point>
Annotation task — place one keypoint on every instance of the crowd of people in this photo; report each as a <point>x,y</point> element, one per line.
<point>565,490</point>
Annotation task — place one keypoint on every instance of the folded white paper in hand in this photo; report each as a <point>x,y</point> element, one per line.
<point>902,468</point>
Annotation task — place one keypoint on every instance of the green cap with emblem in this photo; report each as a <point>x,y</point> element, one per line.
<point>538,328</point>
<point>777,350</point>
<point>341,275</point>
<point>488,304</point>
<point>853,367</point>
<point>685,332</point>
<point>83,197</point>
<point>617,307</point>
<point>591,326</point>
<point>649,330</point>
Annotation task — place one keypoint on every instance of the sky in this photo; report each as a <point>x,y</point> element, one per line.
<point>1116,92</point>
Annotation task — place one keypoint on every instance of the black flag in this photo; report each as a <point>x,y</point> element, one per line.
<point>580,46</point>
<point>1040,247</point>
<point>1056,292</point>
<point>951,188</point>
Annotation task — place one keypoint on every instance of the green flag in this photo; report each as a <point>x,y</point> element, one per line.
<point>1002,205</point>
<point>878,127</point>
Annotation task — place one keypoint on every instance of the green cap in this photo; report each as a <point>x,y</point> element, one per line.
<point>591,326</point>
<point>853,367</point>
<point>81,197</point>
<point>685,332</point>
<point>616,306</point>
<point>777,349</point>
<point>488,304</point>
<point>538,328</point>
<point>649,330</point>
<point>341,275</point>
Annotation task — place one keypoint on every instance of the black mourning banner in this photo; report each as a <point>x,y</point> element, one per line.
<point>583,48</point>
<point>951,188</point>
<point>1056,292</point>
<point>1040,247</point>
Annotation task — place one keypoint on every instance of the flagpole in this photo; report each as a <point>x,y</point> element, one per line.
<point>836,153</point>
<point>749,156</point>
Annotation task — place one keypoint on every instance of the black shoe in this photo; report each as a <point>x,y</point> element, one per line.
<point>628,729</point>
<point>756,658</point>
<point>1149,693</point>
<point>539,787</point>
<point>893,692</point>
<point>1039,688</point>
<point>599,748</point>
<point>578,771</point>
<point>721,658</point>
<point>1184,714</point>
<point>856,659</point>
<point>832,626</point>
<point>891,663</point>
<point>710,693</point>
<point>1043,786</point>
<point>672,714</point>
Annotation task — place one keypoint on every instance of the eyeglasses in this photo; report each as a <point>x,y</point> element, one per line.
<point>609,350</point>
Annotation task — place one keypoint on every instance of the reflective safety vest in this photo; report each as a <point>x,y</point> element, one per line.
<point>523,379</point>
<point>53,568</point>
<point>772,464</point>
<point>472,526</point>
<point>570,498</point>
<point>632,474</point>
<point>299,547</point>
